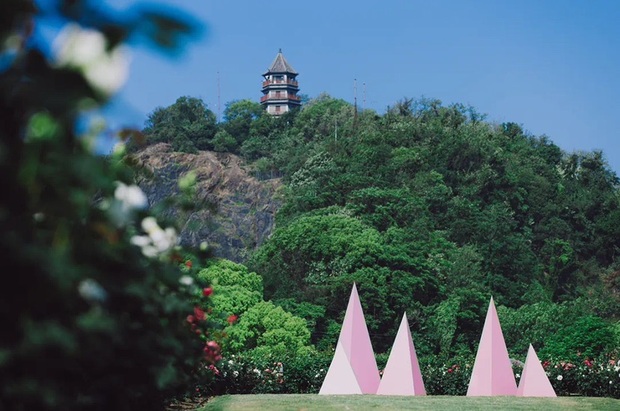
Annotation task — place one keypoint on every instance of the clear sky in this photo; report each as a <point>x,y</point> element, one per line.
<point>550,65</point>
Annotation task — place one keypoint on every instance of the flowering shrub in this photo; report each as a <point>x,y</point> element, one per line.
<point>262,371</point>
<point>590,377</point>
<point>267,371</point>
<point>91,319</point>
<point>446,377</point>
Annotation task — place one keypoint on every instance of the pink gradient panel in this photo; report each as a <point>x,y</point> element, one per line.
<point>534,381</point>
<point>492,374</point>
<point>402,374</point>
<point>340,378</point>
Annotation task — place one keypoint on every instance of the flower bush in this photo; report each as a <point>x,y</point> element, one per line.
<point>589,377</point>
<point>259,371</point>
<point>267,371</point>
<point>91,319</point>
<point>446,377</point>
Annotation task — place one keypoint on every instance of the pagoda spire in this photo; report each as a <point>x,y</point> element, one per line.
<point>280,87</point>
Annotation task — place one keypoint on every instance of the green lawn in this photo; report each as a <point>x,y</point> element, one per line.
<point>269,402</point>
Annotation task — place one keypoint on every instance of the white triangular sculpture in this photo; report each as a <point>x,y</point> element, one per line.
<point>355,342</point>
<point>340,378</point>
<point>402,374</point>
<point>492,374</point>
<point>534,381</point>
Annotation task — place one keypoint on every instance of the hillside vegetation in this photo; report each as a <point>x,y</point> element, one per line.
<point>430,210</point>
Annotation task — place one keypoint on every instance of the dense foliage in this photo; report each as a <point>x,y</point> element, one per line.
<point>253,324</point>
<point>92,306</point>
<point>432,210</point>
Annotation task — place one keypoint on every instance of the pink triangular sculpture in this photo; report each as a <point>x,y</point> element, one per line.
<point>534,381</point>
<point>492,374</point>
<point>402,374</point>
<point>340,378</point>
<point>355,342</point>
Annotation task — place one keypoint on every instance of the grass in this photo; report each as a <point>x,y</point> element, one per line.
<point>369,402</point>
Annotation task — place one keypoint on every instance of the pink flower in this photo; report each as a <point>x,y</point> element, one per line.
<point>199,314</point>
<point>212,352</point>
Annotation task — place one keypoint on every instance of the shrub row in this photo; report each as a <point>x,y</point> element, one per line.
<point>258,371</point>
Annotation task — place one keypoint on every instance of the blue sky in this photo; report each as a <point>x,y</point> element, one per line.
<point>551,65</point>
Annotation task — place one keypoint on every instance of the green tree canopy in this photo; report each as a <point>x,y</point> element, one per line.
<point>187,124</point>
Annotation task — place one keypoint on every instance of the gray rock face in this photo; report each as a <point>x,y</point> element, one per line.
<point>235,212</point>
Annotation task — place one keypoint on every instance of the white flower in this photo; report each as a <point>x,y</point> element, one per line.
<point>131,197</point>
<point>127,200</point>
<point>256,371</point>
<point>140,240</point>
<point>157,241</point>
<point>85,50</point>
<point>560,378</point>
<point>518,375</point>
<point>92,291</point>
<point>149,225</point>
<point>186,280</point>
<point>235,374</point>
<point>230,362</point>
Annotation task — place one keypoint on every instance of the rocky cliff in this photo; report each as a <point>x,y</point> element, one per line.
<point>235,212</point>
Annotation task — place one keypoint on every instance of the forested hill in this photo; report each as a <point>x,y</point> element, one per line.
<point>430,209</point>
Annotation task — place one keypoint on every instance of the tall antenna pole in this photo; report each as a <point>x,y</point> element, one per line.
<point>355,101</point>
<point>219,108</point>
<point>364,103</point>
<point>355,93</point>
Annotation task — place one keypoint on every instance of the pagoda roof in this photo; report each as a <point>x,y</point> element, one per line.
<point>280,65</point>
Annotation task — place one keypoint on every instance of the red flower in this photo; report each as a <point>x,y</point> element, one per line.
<point>188,264</point>
<point>207,291</point>
<point>190,319</point>
<point>199,314</point>
<point>212,352</point>
<point>450,370</point>
<point>587,362</point>
<point>232,318</point>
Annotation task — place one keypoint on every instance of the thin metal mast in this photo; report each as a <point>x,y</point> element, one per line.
<point>364,103</point>
<point>219,108</point>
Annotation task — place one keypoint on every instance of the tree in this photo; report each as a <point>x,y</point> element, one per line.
<point>239,116</point>
<point>187,124</point>
<point>235,289</point>
<point>223,142</point>
<point>269,326</point>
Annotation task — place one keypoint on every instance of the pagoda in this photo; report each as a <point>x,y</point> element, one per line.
<point>280,87</point>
